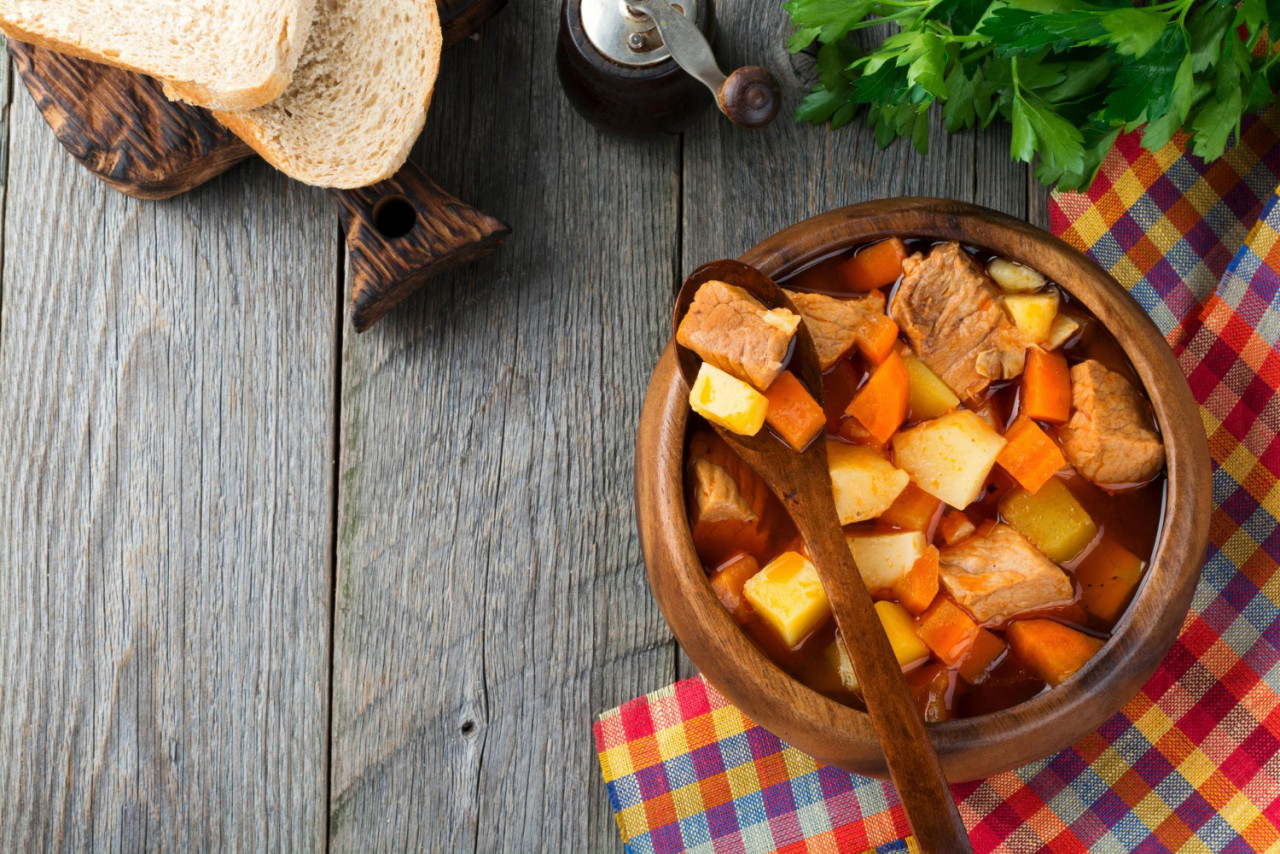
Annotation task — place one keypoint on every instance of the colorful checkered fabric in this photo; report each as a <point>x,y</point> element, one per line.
<point>1191,763</point>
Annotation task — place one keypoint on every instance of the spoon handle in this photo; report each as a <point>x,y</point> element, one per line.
<point>913,764</point>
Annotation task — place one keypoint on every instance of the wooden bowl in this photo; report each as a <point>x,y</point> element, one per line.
<point>975,747</point>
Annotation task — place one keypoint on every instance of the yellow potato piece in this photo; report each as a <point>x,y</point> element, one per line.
<point>950,456</point>
<point>723,399</point>
<point>1033,314</point>
<point>1052,519</point>
<point>788,595</point>
<point>863,483</point>
<point>929,396</point>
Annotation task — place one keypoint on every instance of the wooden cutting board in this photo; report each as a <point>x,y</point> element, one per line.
<point>119,125</point>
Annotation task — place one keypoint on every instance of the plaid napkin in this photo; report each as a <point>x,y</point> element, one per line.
<point>1191,763</point>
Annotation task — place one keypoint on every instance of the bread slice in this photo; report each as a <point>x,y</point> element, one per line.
<point>359,95</point>
<point>227,54</point>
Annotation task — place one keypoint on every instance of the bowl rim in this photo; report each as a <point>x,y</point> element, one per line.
<point>1053,719</point>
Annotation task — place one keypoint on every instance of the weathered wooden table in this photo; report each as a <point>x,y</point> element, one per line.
<point>267,584</point>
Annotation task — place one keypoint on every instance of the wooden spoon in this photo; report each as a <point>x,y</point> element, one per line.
<point>802,482</point>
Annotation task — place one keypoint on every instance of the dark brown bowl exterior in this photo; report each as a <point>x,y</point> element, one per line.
<point>976,747</point>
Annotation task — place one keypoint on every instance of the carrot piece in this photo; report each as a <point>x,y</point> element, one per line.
<point>876,338</point>
<point>947,630</point>
<point>839,385</point>
<point>881,404</point>
<point>913,510</point>
<point>916,589</point>
<point>977,664</point>
<point>1046,387</point>
<point>954,526</point>
<point>727,582</point>
<point>851,430</point>
<point>1108,576</point>
<point>874,266</point>
<point>1051,650</point>
<point>793,412</point>
<point>1030,455</point>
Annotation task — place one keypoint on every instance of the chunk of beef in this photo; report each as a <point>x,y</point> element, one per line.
<point>1000,574</point>
<point>716,497</point>
<point>732,330</point>
<point>1109,439</point>
<point>951,315</point>
<point>834,323</point>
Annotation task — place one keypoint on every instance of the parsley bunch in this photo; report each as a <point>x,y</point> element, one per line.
<point>1069,76</point>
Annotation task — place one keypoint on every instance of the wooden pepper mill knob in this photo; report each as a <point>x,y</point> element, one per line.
<point>750,97</point>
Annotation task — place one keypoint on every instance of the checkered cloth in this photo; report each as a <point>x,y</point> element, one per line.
<point>1191,763</point>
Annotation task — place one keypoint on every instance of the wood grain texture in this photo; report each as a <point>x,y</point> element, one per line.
<point>490,594</point>
<point>401,232</point>
<point>165,507</point>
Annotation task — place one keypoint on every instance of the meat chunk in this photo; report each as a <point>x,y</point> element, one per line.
<point>716,497</point>
<point>732,330</point>
<point>1109,438</point>
<point>1000,574</point>
<point>834,323</point>
<point>950,314</point>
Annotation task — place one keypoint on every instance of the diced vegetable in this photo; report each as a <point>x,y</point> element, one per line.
<point>726,400</point>
<point>728,581</point>
<point>931,687</point>
<point>901,631</point>
<point>918,588</point>
<point>876,338</point>
<point>863,483</point>
<point>947,630</point>
<point>954,526</point>
<point>950,456</point>
<point>881,404</point>
<point>1031,456</point>
<point>1033,314</point>
<point>914,510</point>
<point>885,559</point>
<point>1013,278</point>
<point>839,385</point>
<point>986,649</point>
<point>1046,387</point>
<point>929,396</point>
<point>787,594</point>
<point>898,627</point>
<point>1052,519</point>
<point>1064,326</point>
<point>1108,575</point>
<point>1052,651</point>
<point>874,266</point>
<point>793,412</point>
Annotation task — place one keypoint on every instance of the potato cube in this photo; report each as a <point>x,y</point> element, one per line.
<point>1013,278</point>
<point>899,627</point>
<point>885,559</point>
<point>1051,518</point>
<point>1033,314</point>
<point>787,594</point>
<point>950,456</point>
<point>1064,326</point>
<point>723,399</point>
<point>929,395</point>
<point>863,483</point>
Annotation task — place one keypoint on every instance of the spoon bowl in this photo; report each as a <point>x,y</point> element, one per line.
<point>802,482</point>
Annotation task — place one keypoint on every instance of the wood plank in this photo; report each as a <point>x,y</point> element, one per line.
<point>165,509</point>
<point>491,597</point>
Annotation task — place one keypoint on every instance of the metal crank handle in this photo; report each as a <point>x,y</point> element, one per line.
<point>749,96</point>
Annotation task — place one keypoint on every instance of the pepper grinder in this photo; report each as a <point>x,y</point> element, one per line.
<point>645,66</point>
